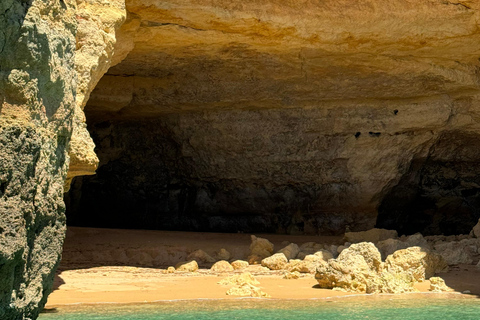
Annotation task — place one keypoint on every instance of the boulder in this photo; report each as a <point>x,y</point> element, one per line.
<point>239,264</point>
<point>202,258</point>
<point>261,247</point>
<point>418,262</point>
<point>365,250</point>
<point>222,266</point>
<point>188,266</point>
<point>223,254</point>
<point>372,235</point>
<point>437,284</point>
<point>291,251</point>
<point>276,262</point>
<point>310,263</point>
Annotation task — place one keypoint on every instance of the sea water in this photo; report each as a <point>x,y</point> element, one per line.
<point>418,307</point>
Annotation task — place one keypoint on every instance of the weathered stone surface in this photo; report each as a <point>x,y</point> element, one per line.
<point>239,264</point>
<point>437,284</point>
<point>188,266</point>
<point>261,247</point>
<point>373,235</point>
<point>389,246</point>
<point>222,266</point>
<point>239,279</point>
<point>247,290</point>
<point>37,95</point>
<point>291,251</point>
<point>358,269</point>
<point>458,252</point>
<point>276,262</point>
<point>203,258</point>
<point>418,262</point>
<point>309,263</point>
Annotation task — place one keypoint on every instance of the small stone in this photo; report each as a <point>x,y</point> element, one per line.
<point>291,275</point>
<point>291,251</point>
<point>170,269</point>
<point>239,264</point>
<point>476,230</point>
<point>202,258</point>
<point>239,279</point>
<point>222,266</point>
<point>437,284</point>
<point>188,266</point>
<point>466,292</point>
<point>261,247</point>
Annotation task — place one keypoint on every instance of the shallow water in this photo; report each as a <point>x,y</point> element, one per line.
<point>424,307</point>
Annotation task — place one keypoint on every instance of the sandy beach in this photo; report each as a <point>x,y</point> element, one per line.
<point>93,271</point>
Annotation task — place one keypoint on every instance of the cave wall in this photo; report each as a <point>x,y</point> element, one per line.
<point>279,116</point>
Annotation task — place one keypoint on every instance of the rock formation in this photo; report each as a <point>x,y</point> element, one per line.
<point>288,117</point>
<point>243,116</point>
<point>37,92</point>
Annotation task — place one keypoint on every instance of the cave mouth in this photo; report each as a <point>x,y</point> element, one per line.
<point>440,194</point>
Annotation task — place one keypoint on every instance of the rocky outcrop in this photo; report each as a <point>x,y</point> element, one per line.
<point>37,95</point>
<point>98,23</point>
<point>359,268</point>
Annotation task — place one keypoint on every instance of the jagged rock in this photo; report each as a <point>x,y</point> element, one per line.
<point>373,235</point>
<point>203,258</point>
<point>476,230</point>
<point>239,264</point>
<point>188,266</point>
<point>223,254</point>
<point>260,247</point>
<point>359,269</point>
<point>323,254</point>
<point>340,249</point>
<point>239,279</point>
<point>276,262</point>
<point>418,262</point>
<point>247,290</point>
<point>291,251</point>
<point>291,275</point>
<point>222,266</point>
<point>437,284</point>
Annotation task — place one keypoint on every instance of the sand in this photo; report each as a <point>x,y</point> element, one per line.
<point>89,280</point>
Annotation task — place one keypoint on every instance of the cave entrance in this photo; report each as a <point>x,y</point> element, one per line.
<point>440,194</point>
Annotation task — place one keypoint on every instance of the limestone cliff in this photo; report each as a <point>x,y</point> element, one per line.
<point>37,94</point>
<point>281,116</point>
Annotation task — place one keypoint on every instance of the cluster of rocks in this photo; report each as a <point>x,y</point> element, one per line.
<point>244,285</point>
<point>373,261</point>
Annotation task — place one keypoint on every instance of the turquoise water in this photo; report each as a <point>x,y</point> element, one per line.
<point>372,308</point>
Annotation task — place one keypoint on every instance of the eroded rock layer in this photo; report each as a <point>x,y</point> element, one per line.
<point>287,117</point>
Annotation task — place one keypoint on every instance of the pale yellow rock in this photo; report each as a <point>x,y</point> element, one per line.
<point>188,266</point>
<point>170,269</point>
<point>437,284</point>
<point>239,279</point>
<point>276,262</point>
<point>420,263</point>
<point>291,275</point>
<point>247,290</point>
<point>239,264</point>
<point>98,22</point>
<point>222,266</point>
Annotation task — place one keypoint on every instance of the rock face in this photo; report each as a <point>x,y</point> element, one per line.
<point>37,94</point>
<point>287,117</point>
